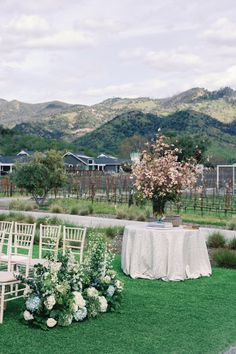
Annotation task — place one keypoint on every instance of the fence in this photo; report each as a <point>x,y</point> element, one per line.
<point>205,198</point>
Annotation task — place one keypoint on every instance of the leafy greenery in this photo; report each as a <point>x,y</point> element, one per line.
<point>216,240</point>
<point>40,174</point>
<point>225,258</point>
<point>13,141</point>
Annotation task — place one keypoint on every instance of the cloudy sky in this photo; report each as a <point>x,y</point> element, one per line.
<point>84,51</point>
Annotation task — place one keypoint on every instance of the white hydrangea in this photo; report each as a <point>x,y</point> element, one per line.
<point>103,303</point>
<point>27,291</point>
<point>107,279</point>
<point>80,314</point>
<point>110,291</point>
<point>28,316</point>
<point>51,322</point>
<point>79,300</point>
<point>92,292</point>
<point>50,302</point>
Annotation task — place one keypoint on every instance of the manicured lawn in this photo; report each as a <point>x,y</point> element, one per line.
<point>195,316</point>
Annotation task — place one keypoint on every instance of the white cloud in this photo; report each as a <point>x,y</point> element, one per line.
<point>27,25</point>
<point>218,79</point>
<point>222,31</point>
<point>62,40</point>
<point>132,89</point>
<point>173,60</point>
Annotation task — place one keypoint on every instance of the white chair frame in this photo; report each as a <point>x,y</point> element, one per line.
<point>9,285</point>
<point>23,239</point>
<point>49,238</point>
<point>73,240</point>
<point>7,227</point>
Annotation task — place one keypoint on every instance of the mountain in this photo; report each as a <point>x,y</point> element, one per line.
<point>57,119</point>
<point>111,136</point>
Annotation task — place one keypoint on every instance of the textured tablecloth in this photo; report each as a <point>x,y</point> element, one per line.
<point>171,254</point>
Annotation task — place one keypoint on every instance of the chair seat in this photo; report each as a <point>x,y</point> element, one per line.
<point>16,258</point>
<point>7,277</point>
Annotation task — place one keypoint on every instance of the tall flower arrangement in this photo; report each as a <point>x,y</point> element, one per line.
<point>160,177</point>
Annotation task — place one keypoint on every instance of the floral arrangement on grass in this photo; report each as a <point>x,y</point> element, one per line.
<point>64,291</point>
<point>160,176</point>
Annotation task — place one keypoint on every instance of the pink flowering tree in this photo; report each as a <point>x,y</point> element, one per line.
<point>160,177</point>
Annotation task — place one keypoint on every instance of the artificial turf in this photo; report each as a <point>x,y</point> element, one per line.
<point>193,316</point>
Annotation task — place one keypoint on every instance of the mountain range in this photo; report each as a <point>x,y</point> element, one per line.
<point>103,126</point>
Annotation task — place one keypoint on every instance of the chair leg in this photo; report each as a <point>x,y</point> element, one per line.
<point>2,303</point>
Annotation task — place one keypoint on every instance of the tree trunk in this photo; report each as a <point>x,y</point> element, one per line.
<point>158,206</point>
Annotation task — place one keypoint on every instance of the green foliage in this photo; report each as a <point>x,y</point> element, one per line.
<point>40,174</point>
<point>225,258</point>
<point>56,208</point>
<point>231,224</point>
<point>216,240</point>
<point>13,141</point>
<point>232,244</point>
<point>26,205</point>
<point>187,125</point>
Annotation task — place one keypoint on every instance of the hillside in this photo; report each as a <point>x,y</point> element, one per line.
<point>12,142</point>
<point>110,137</point>
<point>61,120</point>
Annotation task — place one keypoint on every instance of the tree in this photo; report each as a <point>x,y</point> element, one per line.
<point>190,145</point>
<point>160,176</point>
<point>40,174</point>
<point>134,143</point>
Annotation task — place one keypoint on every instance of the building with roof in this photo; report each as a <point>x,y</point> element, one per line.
<point>102,162</point>
<point>7,162</point>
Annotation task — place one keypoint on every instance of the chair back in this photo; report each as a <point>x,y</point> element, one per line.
<point>73,240</point>
<point>7,228</point>
<point>2,238</point>
<point>23,239</point>
<point>49,238</point>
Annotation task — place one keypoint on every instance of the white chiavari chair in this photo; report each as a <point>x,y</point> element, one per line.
<point>9,284</point>
<point>73,240</point>
<point>49,237</point>
<point>7,228</point>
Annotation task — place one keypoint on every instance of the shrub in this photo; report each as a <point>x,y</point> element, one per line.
<point>121,214</point>
<point>231,224</point>
<point>25,205</point>
<point>141,217</point>
<point>49,221</point>
<point>232,244</point>
<point>84,212</point>
<point>56,208</point>
<point>216,240</point>
<point>225,258</point>
<point>113,231</point>
<point>90,209</point>
<point>74,210</point>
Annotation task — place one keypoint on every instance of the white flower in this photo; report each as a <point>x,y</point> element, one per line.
<point>80,314</point>
<point>92,292</point>
<point>119,285</point>
<point>51,322</point>
<point>55,266</point>
<point>74,307</point>
<point>103,303</point>
<point>50,302</point>
<point>110,290</point>
<point>79,300</point>
<point>28,316</point>
<point>107,279</point>
<point>27,291</point>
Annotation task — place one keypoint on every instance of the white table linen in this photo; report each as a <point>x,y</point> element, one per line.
<point>169,254</point>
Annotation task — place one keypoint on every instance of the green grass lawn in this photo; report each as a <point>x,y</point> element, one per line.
<point>194,316</point>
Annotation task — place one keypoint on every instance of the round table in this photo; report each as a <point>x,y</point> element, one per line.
<point>170,254</point>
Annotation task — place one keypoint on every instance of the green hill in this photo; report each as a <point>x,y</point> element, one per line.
<point>220,137</point>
